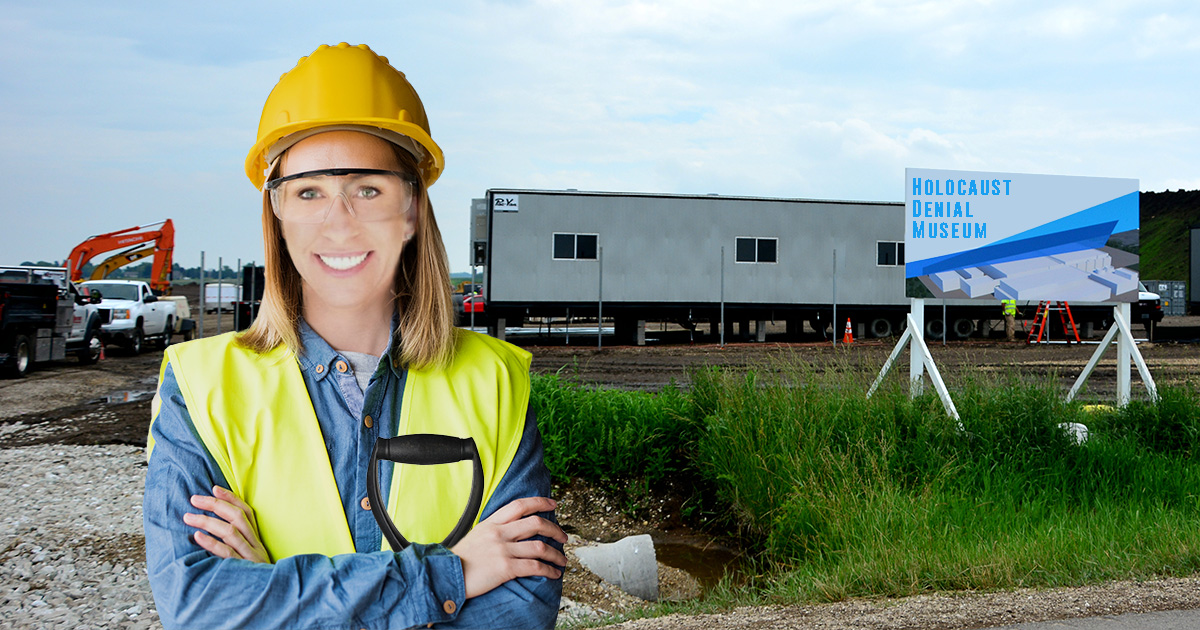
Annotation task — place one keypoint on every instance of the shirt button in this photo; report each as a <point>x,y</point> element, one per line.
<point>320,369</point>
<point>366,503</point>
<point>367,421</point>
<point>449,606</point>
<point>341,366</point>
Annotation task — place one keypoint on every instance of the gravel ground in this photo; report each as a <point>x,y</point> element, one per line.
<point>71,550</point>
<point>946,611</point>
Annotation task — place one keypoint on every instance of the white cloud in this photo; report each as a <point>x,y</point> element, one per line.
<point>148,109</point>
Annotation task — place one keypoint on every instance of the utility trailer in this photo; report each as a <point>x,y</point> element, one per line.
<point>696,259</point>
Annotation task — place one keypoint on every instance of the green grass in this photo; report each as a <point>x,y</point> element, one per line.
<point>837,495</point>
<point>1164,237</point>
<point>609,435</point>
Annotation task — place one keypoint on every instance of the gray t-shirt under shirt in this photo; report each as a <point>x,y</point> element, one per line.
<point>363,365</point>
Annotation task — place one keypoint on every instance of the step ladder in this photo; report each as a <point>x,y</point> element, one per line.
<point>1041,322</point>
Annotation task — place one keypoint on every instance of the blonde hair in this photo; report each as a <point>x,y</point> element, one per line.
<point>425,334</point>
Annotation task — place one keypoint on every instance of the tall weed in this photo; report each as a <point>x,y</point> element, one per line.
<point>842,495</point>
<point>608,435</point>
<point>889,496</point>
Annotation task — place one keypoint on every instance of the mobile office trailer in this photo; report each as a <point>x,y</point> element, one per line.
<point>658,257</point>
<point>220,296</point>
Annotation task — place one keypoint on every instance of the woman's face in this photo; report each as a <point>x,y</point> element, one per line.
<point>345,262</point>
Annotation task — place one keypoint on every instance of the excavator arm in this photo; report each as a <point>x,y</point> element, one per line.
<point>162,237</point>
<point>116,261</point>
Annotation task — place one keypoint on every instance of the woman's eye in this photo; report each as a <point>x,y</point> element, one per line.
<point>369,192</point>
<point>307,194</point>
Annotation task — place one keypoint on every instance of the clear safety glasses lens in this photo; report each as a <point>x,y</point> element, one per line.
<point>369,194</point>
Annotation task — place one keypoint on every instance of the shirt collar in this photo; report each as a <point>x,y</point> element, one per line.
<point>318,356</point>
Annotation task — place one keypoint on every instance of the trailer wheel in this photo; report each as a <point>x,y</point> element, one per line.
<point>22,357</point>
<point>963,328</point>
<point>881,327</point>
<point>90,352</point>
<point>935,329</point>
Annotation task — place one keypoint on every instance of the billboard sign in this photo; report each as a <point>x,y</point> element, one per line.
<point>1025,237</point>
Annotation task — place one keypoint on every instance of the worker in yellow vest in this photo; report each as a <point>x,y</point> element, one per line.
<point>258,508</point>
<point>1010,319</point>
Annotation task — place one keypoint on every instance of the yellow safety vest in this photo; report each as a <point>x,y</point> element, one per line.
<point>1010,307</point>
<point>254,415</point>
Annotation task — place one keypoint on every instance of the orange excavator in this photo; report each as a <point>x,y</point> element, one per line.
<point>162,237</point>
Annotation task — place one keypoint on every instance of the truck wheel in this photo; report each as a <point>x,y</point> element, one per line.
<point>22,357</point>
<point>881,327</point>
<point>90,352</point>
<point>168,332</point>
<point>963,328</point>
<point>935,328</point>
<point>135,343</point>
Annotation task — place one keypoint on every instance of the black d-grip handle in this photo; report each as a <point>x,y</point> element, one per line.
<point>424,449</point>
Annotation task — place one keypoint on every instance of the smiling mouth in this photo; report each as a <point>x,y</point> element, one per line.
<point>342,263</point>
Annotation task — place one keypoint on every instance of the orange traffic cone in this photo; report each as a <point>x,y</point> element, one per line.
<point>101,352</point>
<point>848,337</point>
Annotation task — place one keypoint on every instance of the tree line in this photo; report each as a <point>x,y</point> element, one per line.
<point>142,271</point>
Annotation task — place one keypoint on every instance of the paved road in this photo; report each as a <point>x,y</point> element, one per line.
<point>1166,620</point>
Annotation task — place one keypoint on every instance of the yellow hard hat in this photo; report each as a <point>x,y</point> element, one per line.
<point>347,87</point>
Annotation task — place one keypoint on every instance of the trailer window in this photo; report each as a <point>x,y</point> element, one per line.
<point>757,250</point>
<point>585,246</point>
<point>766,250</point>
<point>890,254</point>
<point>575,246</point>
<point>564,246</point>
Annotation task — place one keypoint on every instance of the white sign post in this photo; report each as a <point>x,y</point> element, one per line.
<point>920,360</point>
<point>1126,348</point>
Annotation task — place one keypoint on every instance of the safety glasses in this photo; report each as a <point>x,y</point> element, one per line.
<point>369,194</point>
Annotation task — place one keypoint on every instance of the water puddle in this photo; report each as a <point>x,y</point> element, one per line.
<point>127,396</point>
<point>703,559</point>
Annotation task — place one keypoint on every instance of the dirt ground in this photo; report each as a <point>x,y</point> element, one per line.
<point>108,403</point>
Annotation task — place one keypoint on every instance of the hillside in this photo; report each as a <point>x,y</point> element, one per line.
<point>1166,217</point>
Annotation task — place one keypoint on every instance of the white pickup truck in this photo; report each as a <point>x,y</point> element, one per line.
<point>137,314</point>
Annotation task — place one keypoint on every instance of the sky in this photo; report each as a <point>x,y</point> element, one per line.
<point>121,114</point>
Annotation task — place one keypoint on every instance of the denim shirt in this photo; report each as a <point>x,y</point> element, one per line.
<point>370,589</point>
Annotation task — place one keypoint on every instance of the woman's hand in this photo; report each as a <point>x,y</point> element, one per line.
<point>497,549</point>
<point>234,534</point>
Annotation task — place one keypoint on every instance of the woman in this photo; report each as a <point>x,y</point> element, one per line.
<point>256,510</point>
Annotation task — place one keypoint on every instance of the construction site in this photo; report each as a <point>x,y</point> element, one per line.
<point>74,552</point>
